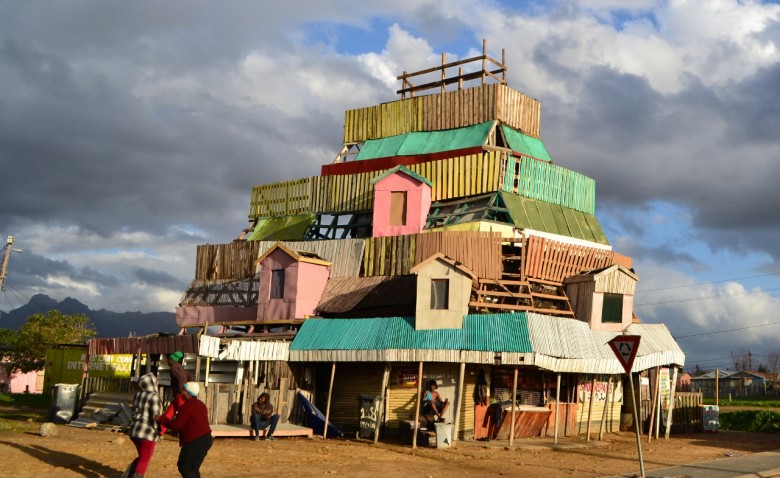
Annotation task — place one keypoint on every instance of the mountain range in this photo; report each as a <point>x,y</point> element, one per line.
<point>107,323</point>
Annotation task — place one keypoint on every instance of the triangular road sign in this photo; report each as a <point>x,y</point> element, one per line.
<point>625,348</point>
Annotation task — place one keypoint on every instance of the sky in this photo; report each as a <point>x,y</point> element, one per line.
<point>131,132</point>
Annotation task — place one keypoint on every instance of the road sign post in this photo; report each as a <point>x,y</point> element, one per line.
<point>625,348</point>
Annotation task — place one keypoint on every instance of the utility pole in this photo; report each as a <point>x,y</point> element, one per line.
<point>4,267</point>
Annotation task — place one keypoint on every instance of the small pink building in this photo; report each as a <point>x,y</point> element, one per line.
<point>18,382</point>
<point>291,283</point>
<point>402,199</point>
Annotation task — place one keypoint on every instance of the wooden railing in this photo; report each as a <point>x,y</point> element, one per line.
<point>482,74</point>
<point>554,261</point>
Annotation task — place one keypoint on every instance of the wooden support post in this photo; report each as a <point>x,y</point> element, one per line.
<point>459,402</point>
<point>382,406</point>
<point>557,409</point>
<point>671,404</point>
<point>443,72</point>
<point>654,404</point>
<point>417,406</point>
<point>717,386</point>
<point>484,60</point>
<point>197,368</point>
<point>590,406</point>
<point>330,393</point>
<point>208,368</point>
<point>607,407</point>
<point>637,426</point>
<point>514,406</point>
<point>503,64</point>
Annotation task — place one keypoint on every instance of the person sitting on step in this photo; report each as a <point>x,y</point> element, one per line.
<point>263,417</point>
<point>433,408</point>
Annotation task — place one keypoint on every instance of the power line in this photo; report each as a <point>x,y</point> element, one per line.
<point>726,330</point>
<point>708,297</point>
<point>708,283</point>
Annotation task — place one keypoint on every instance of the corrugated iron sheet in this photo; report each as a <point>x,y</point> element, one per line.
<point>525,144</point>
<point>481,332</point>
<point>542,216</point>
<point>345,254</point>
<point>425,142</point>
<point>374,294</point>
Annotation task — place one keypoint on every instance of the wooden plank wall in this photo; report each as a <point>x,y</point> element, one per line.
<point>397,255</point>
<point>389,256</point>
<point>554,261</point>
<point>235,260</point>
<point>548,182</point>
<point>687,412</point>
<point>440,111</point>
<point>455,177</point>
<point>478,251</point>
<point>345,254</point>
<point>146,345</point>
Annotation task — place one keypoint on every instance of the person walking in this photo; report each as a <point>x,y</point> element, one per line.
<point>192,423</point>
<point>144,430</point>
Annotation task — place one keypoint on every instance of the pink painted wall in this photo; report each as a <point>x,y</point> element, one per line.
<point>21,382</point>
<point>312,279</point>
<point>303,286</point>
<point>418,202</point>
<point>202,315</point>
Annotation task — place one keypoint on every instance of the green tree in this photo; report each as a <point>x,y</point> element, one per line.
<point>26,347</point>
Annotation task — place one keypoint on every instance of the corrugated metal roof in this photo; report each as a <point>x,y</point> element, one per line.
<point>543,216</point>
<point>426,142</point>
<point>552,343</point>
<point>355,295</point>
<point>480,332</point>
<point>567,345</point>
<point>526,144</point>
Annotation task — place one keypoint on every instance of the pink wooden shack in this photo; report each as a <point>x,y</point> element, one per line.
<point>200,315</point>
<point>291,283</point>
<point>402,199</point>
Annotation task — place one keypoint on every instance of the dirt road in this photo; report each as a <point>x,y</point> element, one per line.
<point>77,452</point>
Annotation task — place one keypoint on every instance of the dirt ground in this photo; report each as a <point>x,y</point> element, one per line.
<point>78,452</point>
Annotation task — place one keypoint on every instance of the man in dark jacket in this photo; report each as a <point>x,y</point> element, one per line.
<point>192,423</point>
<point>263,417</point>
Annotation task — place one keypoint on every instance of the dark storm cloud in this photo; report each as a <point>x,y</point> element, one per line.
<point>158,278</point>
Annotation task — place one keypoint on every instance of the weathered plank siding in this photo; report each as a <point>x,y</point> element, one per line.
<point>440,111</point>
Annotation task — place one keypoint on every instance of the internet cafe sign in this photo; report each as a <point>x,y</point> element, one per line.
<point>106,366</point>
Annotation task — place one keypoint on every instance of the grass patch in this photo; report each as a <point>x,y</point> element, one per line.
<point>751,421</point>
<point>769,402</point>
<point>22,412</point>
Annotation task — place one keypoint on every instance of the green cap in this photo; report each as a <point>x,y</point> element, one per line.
<point>176,356</point>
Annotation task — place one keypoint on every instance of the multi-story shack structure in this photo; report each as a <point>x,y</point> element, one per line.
<point>444,243</point>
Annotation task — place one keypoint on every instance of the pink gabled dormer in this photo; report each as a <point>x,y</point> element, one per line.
<point>402,199</point>
<point>291,283</point>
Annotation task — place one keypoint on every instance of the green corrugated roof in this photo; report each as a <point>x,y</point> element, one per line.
<point>524,144</point>
<point>425,142</point>
<point>283,228</point>
<point>543,216</point>
<point>480,332</point>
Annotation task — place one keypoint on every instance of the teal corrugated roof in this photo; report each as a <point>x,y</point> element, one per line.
<point>480,332</point>
<point>425,142</point>
<point>525,144</point>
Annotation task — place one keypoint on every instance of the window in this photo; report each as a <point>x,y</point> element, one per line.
<point>277,284</point>
<point>398,208</point>
<point>440,294</point>
<point>612,311</point>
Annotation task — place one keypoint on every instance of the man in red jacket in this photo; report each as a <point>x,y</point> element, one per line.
<point>192,423</point>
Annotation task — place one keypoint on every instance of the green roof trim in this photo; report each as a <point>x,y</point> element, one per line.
<point>405,170</point>
<point>480,332</point>
<point>283,228</point>
<point>526,145</point>
<point>543,216</point>
<point>425,142</point>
